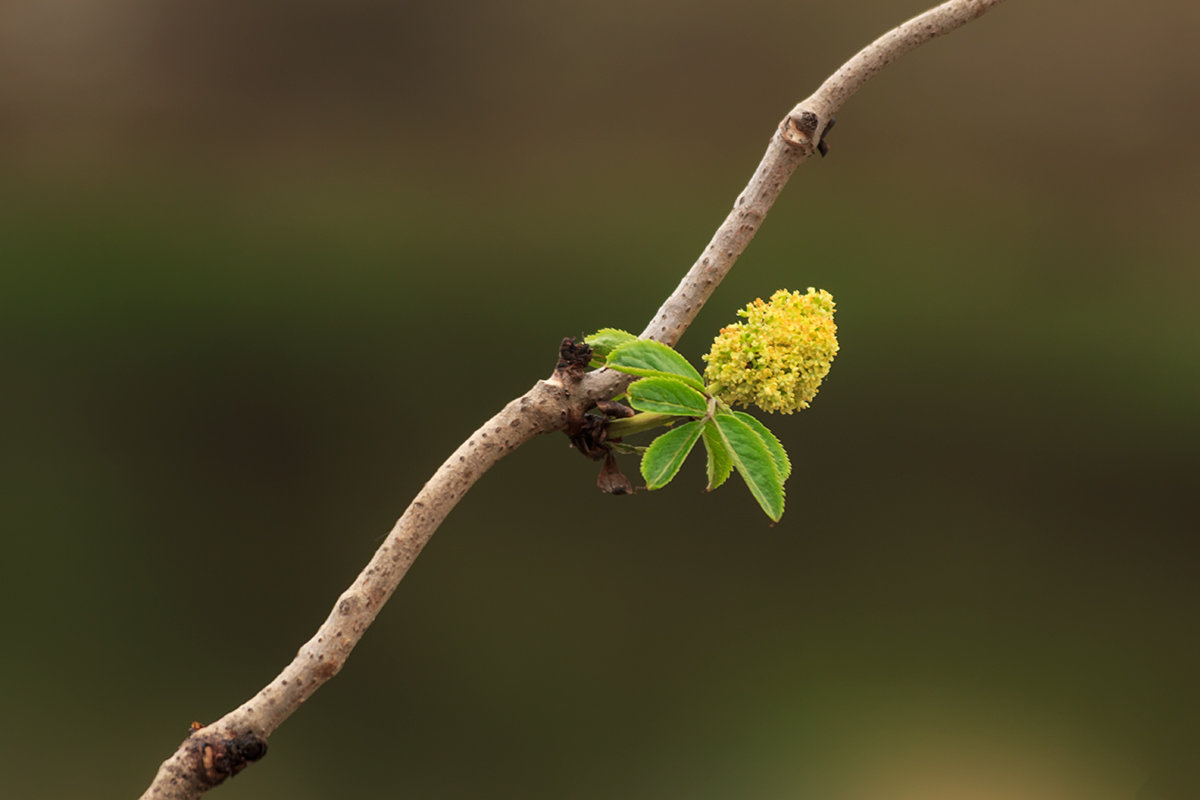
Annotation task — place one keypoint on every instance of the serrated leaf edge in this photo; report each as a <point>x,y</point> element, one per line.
<point>712,441</point>
<point>689,432</point>
<point>739,464</point>
<point>691,377</point>
<point>783,464</point>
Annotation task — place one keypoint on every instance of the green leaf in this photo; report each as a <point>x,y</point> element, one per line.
<point>667,396</point>
<point>720,460</point>
<point>774,446</point>
<point>753,462</point>
<point>604,341</point>
<point>648,359</point>
<point>665,454</point>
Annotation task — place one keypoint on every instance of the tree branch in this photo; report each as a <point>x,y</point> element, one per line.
<point>792,143</point>
<point>216,751</point>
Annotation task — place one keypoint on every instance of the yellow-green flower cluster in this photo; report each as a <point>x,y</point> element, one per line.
<point>778,357</point>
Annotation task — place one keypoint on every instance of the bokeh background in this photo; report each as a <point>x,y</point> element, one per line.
<point>263,265</point>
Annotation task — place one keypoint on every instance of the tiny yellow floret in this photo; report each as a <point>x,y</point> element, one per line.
<point>778,357</point>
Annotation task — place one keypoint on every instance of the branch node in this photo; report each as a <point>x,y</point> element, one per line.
<point>800,131</point>
<point>217,758</point>
<point>588,433</point>
<point>574,355</point>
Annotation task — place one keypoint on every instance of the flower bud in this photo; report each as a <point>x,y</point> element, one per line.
<point>778,357</point>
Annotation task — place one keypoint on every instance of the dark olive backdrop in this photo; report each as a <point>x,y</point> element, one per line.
<point>264,265</point>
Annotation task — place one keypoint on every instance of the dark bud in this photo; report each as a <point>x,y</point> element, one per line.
<point>823,146</point>
<point>574,355</point>
<point>612,480</point>
<point>614,410</point>
<point>247,748</point>
<point>221,758</point>
<point>807,124</point>
<point>589,435</point>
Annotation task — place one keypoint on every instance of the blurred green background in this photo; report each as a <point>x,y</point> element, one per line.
<point>264,265</point>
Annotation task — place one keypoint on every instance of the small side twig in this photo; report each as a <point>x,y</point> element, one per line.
<point>214,752</point>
